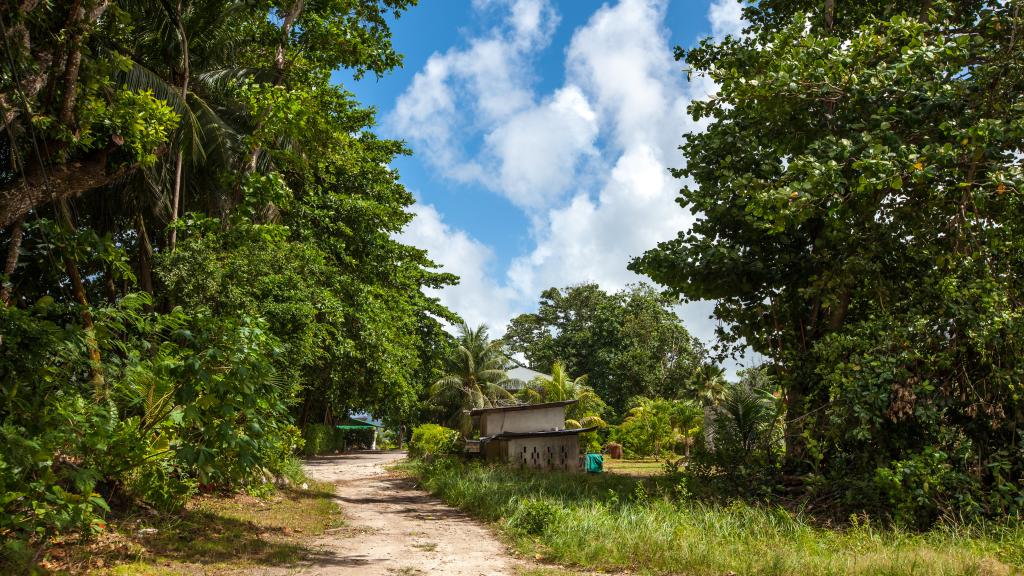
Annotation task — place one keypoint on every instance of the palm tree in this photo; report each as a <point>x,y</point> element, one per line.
<point>654,425</point>
<point>744,421</point>
<point>589,406</point>
<point>709,384</point>
<point>475,376</point>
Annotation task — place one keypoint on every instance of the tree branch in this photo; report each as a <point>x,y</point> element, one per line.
<point>60,182</point>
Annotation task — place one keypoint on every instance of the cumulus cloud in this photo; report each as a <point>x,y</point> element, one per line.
<point>536,151</point>
<point>588,163</point>
<point>622,61</point>
<point>477,297</point>
<point>464,91</point>
<point>532,145</point>
<point>726,17</point>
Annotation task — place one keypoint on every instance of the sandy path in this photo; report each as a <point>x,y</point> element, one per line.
<point>392,528</point>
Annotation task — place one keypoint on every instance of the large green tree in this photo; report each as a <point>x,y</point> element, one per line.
<point>629,343</point>
<point>858,201</point>
<point>199,234</point>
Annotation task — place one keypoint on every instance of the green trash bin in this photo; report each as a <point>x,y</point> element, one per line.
<point>594,463</point>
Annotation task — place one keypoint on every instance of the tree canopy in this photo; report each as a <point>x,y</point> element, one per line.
<point>474,377</point>
<point>200,238</point>
<point>630,343</point>
<point>858,202</point>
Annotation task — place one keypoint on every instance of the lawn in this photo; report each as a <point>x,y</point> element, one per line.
<point>640,467</point>
<point>213,535</point>
<point>620,522</point>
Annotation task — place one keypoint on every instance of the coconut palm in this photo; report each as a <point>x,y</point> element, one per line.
<point>475,376</point>
<point>654,425</point>
<point>709,384</point>
<point>589,406</point>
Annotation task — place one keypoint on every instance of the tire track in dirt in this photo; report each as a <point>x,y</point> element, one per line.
<point>393,528</point>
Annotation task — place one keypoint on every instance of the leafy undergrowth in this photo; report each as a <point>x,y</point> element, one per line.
<point>616,522</point>
<point>213,535</point>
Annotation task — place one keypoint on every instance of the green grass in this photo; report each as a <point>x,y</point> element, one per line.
<point>616,522</point>
<point>640,467</point>
<point>213,535</point>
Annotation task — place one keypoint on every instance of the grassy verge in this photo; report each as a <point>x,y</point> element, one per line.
<point>213,535</point>
<point>615,522</point>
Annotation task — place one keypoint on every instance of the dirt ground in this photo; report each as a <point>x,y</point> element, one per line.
<point>393,528</point>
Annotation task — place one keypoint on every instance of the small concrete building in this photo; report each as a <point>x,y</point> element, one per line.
<point>530,436</point>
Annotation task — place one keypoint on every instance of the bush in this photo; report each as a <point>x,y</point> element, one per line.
<point>195,401</point>
<point>746,437</point>
<point>919,489</point>
<point>319,439</point>
<point>533,516</point>
<point>432,439</point>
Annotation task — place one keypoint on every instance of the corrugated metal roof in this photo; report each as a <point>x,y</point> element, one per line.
<point>520,376</point>
<point>566,432</point>
<point>523,407</point>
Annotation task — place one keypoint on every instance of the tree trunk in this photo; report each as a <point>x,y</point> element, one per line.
<point>60,182</point>
<point>279,65</point>
<point>179,160</point>
<point>13,249</point>
<point>78,291</point>
<point>91,344</point>
<point>145,256</point>
<point>803,408</point>
<point>79,19</point>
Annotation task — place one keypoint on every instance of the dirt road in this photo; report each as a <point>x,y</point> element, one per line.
<point>392,528</point>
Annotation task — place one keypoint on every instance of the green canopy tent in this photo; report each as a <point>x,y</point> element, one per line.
<point>354,424</point>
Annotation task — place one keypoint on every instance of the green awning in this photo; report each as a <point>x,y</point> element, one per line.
<point>353,424</point>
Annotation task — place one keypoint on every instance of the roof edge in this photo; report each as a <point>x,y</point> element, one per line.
<point>510,435</point>
<point>522,407</point>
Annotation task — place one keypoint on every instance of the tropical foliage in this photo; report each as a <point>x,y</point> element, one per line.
<point>858,202</point>
<point>587,410</point>
<point>655,426</point>
<point>475,377</point>
<point>433,440</point>
<point>199,231</point>
<point>630,343</point>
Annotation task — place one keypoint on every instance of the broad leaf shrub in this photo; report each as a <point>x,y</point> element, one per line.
<point>741,450</point>
<point>187,402</point>
<point>532,515</point>
<point>433,440</point>
<point>319,439</point>
<point>859,214</point>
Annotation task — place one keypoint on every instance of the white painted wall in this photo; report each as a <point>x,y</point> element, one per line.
<point>533,420</point>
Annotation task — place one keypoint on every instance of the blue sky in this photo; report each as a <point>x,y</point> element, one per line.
<point>542,132</point>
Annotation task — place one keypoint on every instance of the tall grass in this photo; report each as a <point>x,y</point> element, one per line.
<point>614,522</point>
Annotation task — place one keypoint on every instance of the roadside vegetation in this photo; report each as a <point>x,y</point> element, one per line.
<point>203,274</point>
<point>615,522</point>
<point>212,534</point>
<point>200,255</point>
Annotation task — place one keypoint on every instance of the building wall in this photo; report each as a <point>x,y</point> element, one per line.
<point>534,420</point>
<point>561,453</point>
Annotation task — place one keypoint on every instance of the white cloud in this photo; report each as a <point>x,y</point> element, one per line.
<point>537,150</point>
<point>484,90</point>
<point>464,89</point>
<point>477,297</point>
<point>726,17</point>
<point>622,60</point>
<point>588,163</point>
